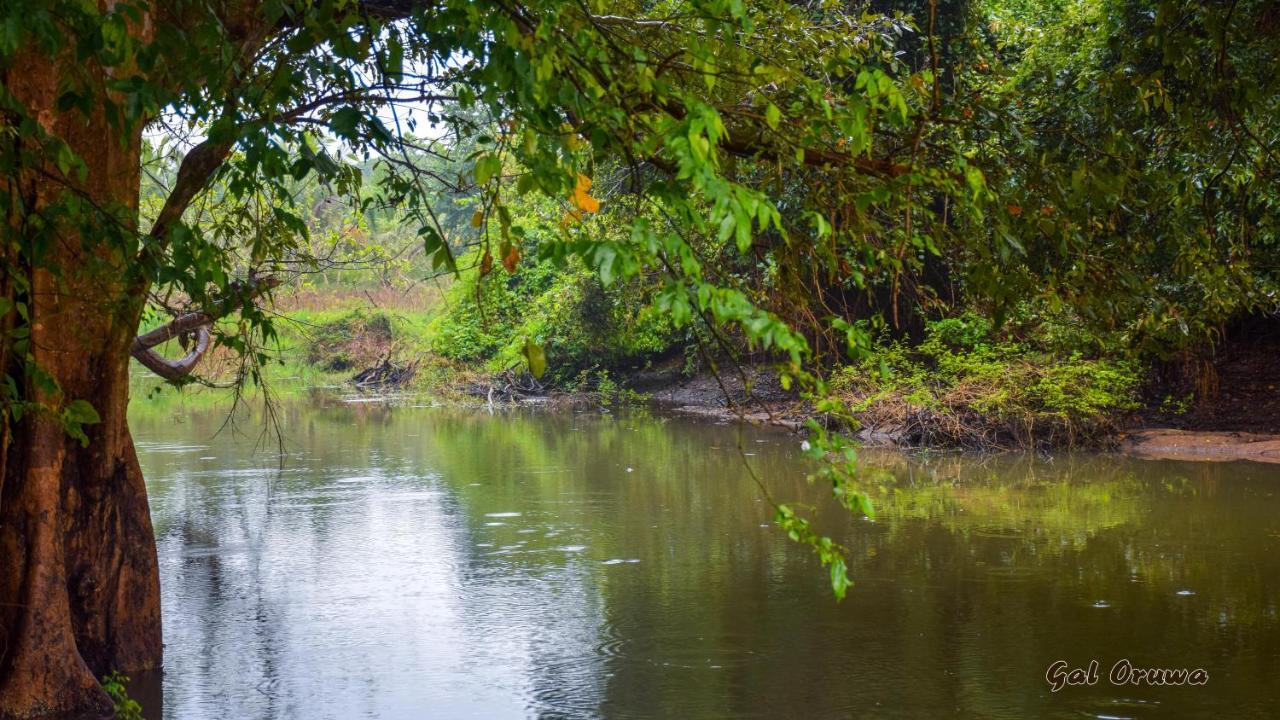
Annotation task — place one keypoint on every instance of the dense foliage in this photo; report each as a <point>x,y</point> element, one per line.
<point>602,177</point>
<point>964,386</point>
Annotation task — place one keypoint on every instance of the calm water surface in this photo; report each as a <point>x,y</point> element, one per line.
<point>424,563</point>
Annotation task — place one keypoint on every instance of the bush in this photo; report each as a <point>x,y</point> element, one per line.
<point>580,323</point>
<point>962,386</point>
<point>126,708</point>
<point>356,340</point>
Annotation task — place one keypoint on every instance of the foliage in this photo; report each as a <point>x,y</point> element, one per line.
<point>581,323</point>
<point>965,385</point>
<point>602,177</point>
<point>606,389</point>
<point>126,708</point>
<point>1138,159</point>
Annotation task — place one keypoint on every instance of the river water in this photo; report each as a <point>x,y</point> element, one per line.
<point>427,563</point>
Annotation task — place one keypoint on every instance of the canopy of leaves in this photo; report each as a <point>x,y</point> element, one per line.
<point>778,169</point>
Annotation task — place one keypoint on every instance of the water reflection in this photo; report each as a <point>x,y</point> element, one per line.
<point>408,563</point>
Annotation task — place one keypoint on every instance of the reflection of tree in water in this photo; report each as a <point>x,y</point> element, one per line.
<point>216,540</point>
<point>977,574</point>
<point>1154,517</point>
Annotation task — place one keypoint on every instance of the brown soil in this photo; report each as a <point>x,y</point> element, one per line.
<point>760,399</point>
<point>1172,444</point>
<point>1239,419</point>
<point>1234,396</point>
<point>357,341</point>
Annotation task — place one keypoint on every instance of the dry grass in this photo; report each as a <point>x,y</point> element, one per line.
<point>416,299</point>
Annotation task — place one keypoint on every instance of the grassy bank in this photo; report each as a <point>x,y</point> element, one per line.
<point>961,384</point>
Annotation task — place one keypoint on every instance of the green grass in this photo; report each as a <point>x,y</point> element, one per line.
<point>315,347</point>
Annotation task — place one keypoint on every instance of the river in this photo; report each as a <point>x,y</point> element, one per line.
<point>412,562</point>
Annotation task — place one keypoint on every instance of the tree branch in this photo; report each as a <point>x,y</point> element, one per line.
<point>197,322</point>
<point>197,167</point>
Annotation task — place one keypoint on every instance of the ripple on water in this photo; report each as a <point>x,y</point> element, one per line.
<point>207,551</point>
<point>168,447</point>
<point>1120,709</point>
<point>997,532</point>
<point>1010,574</point>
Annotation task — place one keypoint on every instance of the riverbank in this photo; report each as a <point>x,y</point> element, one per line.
<point>759,401</point>
<point>1210,446</point>
<point>705,398</point>
<point>955,389</point>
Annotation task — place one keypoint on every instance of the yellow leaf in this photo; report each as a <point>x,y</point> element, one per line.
<point>486,263</point>
<point>478,219</point>
<point>582,198</point>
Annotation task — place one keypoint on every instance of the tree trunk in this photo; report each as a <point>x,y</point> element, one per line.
<point>79,580</point>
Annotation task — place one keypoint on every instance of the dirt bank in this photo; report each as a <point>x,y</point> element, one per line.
<point>767,403</point>
<point>752,394</point>
<point>1234,386</point>
<point>1221,405</point>
<point>1175,444</point>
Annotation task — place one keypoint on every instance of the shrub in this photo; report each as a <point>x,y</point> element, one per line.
<point>356,340</point>
<point>126,708</point>
<point>580,323</point>
<point>962,386</point>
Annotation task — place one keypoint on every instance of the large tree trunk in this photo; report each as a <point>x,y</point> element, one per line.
<point>79,582</point>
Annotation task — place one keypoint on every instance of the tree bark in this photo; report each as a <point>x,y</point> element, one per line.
<point>79,580</point>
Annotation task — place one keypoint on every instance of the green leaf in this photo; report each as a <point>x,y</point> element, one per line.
<point>80,411</point>
<point>345,122</point>
<point>75,415</point>
<point>839,577</point>
<point>487,166</point>
<point>772,116</point>
<point>537,358</point>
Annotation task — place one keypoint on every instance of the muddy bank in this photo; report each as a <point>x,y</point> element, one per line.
<point>1221,404</point>
<point>1212,446</point>
<point>1233,386</point>
<point>768,404</point>
<point>753,395</point>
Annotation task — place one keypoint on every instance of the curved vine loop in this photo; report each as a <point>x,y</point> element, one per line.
<point>174,370</point>
<point>196,323</point>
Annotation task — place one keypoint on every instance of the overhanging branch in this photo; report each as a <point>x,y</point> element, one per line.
<point>194,322</point>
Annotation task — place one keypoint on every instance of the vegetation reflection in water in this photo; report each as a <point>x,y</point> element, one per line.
<point>411,560</point>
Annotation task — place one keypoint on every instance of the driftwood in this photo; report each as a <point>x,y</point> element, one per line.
<point>509,386</point>
<point>196,323</point>
<point>385,374</point>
